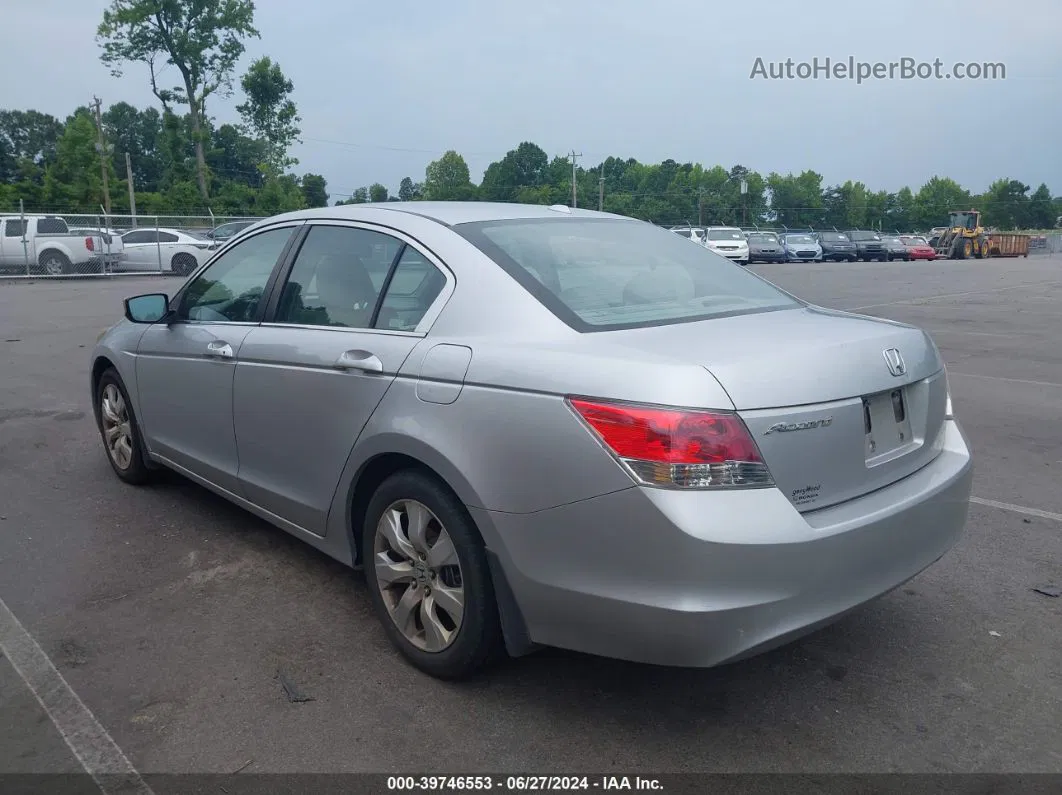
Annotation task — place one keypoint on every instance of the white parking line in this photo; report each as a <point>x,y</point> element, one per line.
<point>1002,378</point>
<point>87,739</point>
<point>964,333</point>
<point>955,295</point>
<point>1007,506</point>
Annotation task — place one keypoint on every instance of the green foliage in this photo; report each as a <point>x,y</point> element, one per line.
<point>377,193</point>
<point>448,179</point>
<point>203,39</point>
<point>314,190</point>
<point>270,113</point>
<point>54,166</point>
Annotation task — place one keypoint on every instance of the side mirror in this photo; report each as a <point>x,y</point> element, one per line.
<point>150,308</point>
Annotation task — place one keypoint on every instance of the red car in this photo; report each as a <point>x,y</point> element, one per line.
<point>918,248</point>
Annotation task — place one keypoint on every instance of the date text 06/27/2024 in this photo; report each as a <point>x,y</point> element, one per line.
<point>447,784</point>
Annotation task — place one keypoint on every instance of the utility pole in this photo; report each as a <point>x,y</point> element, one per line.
<point>132,191</point>
<point>575,199</point>
<point>101,147</point>
<point>744,202</point>
<point>700,207</point>
<point>601,190</point>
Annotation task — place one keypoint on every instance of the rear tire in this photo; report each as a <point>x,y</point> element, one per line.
<point>182,264</point>
<point>55,263</point>
<point>120,430</point>
<point>424,630</point>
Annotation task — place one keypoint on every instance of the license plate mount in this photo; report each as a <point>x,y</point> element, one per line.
<point>887,423</point>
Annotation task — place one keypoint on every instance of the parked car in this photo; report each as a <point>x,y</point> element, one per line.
<point>113,249</point>
<point>765,247</point>
<point>895,248</point>
<point>48,245</point>
<point>836,246</point>
<point>801,247</point>
<point>918,247</point>
<point>869,245</point>
<point>574,422</point>
<point>227,231</point>
<point>167,250</point>
<point>728,241</point>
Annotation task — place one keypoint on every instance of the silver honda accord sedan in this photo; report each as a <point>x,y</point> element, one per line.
<point>537,426</point>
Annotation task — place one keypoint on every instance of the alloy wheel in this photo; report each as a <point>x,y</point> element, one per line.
<point>117,428</point>
<point>419,575</point>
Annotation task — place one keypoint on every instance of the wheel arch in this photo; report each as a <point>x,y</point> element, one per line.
<point>378,459</point>
<point>376,468</point>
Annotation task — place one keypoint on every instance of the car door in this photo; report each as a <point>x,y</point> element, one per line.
<point>140,253</point>
<point>12,251</point>
<point>185,366</point>
<point>308,379</point>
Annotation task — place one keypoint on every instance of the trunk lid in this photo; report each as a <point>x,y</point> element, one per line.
<point>818,392</point>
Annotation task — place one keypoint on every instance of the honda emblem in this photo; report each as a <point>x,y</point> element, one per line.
<point>894,361</point>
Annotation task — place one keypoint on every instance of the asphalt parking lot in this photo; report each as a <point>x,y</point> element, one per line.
<point>170,613</point>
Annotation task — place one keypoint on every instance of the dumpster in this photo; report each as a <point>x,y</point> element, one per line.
<point>1008,244</point>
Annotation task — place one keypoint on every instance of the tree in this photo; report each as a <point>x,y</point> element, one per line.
<point>74,179</point>
<point>448,179</point>
<point>137,132</point>
<point>938,197</point>
<point>797,200</point>
<point>408,190</point>
<point>1042,213</point>
<point>203,39</point>
<point>270,113</point>
<point>1005,204</point>
<point>314,190</point>
<point>377,192</point>
<point>27,139</point>
<point>526,166</point>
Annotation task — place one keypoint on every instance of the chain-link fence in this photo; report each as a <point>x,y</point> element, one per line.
<point>69,244</point>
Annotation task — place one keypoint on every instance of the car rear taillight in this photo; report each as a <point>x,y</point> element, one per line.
<point>677,448</point>
<point>90,244</point>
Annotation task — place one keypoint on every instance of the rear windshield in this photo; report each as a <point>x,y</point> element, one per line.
<point>599,274</point>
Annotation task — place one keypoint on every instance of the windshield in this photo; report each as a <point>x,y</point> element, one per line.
<point>865,236</point>
<point>762,237</point>
<point>834,237</point>
<point>915,241</point>
<point>799,239</point>
<point>725,234</point>
<point>894,241</point>
<point>605,274</point>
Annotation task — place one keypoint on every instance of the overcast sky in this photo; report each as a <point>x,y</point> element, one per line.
<point>388,85</point>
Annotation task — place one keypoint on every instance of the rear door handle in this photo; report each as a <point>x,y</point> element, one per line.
<point>359,360</point>
<point>219,348</point>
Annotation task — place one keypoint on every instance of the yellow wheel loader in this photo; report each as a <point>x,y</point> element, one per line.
<point>964,237</point>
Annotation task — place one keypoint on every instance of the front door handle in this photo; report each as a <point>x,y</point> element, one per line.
<point>359,360</point>
<point>219,348</point>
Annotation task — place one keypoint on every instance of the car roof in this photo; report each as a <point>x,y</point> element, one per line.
<point>449,213</point>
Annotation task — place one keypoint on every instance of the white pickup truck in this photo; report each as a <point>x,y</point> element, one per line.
<point>46,243</point>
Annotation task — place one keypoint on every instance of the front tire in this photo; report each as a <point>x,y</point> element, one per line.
<point>428,577</point>
<point>120,430</point>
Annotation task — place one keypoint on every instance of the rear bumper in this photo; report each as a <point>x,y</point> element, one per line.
<point>699,579</point>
